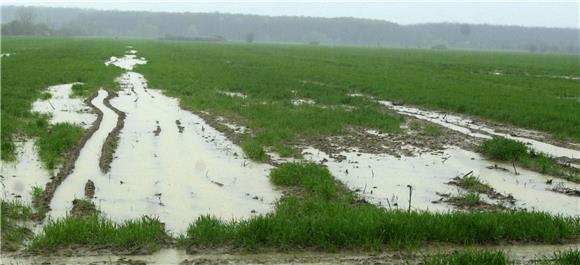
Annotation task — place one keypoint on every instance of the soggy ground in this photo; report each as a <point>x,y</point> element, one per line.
<point>170,163</point>
<point>527,254</point>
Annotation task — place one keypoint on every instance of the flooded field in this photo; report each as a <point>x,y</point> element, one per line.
<point>272,177</point>
<point>168,163</point>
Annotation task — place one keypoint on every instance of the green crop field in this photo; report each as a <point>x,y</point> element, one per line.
<point>316,211</point>
<point>457,81</point>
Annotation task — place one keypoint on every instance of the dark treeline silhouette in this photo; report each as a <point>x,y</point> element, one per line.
<point>308,30</point>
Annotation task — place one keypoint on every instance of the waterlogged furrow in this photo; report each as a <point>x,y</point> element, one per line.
<point>383,180</point>
<point>468,127</point>
<point>86,165</point>
<point>170,164</point>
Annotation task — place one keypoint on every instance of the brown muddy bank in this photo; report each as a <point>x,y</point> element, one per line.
<point>110,145</point>
<point>69,165</point>
<point>520,254</point>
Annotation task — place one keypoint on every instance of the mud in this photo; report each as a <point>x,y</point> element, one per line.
<point>69,165</point>
<point>540,142</point>
<point>89,189</point>
<point>410,142</point>
<point>521,254</point>
<point>110,145</point>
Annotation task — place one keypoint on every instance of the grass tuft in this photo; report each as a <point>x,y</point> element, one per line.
<point>12,234</point>
<point>55,143</point>
<point>97,231</point>
<point>503,149</point>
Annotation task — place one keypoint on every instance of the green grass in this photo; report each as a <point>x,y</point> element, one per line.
<point>272,75</point>
<point>502,149</point>
<point>79,90</point>
<point>37,202</point>
<point>470,199</point>
<point>332,223</point>
<point>310,176</point>
<point>97,231</point>
<point>55,143</point>
<point>470,257</point>
<point>42,62</point>
<point>473,184</point>
<point>570,257</point>
<point>254,150</point>
<point>12,234</point>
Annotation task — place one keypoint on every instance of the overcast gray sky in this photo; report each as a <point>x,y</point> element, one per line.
<point>522,13</point>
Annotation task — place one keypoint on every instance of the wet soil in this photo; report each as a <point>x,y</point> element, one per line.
<point>521,254</point>
<point>89,189</point>
<point>69,164</point>
<point>110,145</point>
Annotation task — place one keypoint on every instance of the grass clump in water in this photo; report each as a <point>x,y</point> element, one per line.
<point>473,184</point>
<point>12,234</point>
<point>468,200</point>
<point>37,202</point>
<point>97,231</point>
<point>55,143</point>
<point>503,149</point>
<point>470,257</point>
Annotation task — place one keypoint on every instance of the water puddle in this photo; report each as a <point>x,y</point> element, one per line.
<point>480,130</point>
<point>383,180</point>
<point>86,165</point>
<point>19,177</point>
<point>171,164</point>
<point>168,163</point>
<point>62,108</point>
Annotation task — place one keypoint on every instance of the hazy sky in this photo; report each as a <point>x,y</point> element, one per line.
<point>524,13</point>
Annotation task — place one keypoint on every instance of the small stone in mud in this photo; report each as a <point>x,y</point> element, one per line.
<point>89,189</point>
<point>157,131</point>
<point>179,127</point>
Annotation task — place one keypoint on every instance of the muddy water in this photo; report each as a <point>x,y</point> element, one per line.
<point>19,177</point>
<point>86,166</point>
<point>383,180</point>
<point>62,108</point>
<point>479,130</point>
<point>170,164</point>
<point>522,254</point>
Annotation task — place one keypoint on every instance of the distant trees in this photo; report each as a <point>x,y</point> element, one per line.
<point>24,24</point>
<point>250,37</point>
<point>465,29</point>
